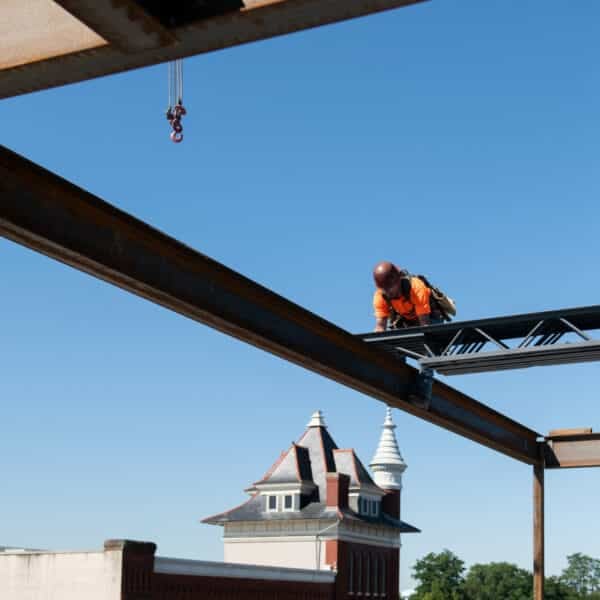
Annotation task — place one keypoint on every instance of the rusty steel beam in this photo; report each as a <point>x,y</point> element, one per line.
<point>124,24</point>
<point>50,215</point>
<point>555,433</point>
<point>572,448</point>
<point>37,30</point>
<point>538,532</point>
<point>256,20</point>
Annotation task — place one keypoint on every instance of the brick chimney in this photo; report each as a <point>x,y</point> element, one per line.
<point>137,567</point>
<point>337,490</point>
<point>390,503</point>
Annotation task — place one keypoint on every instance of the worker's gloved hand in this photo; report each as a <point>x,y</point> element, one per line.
<point>424,320</point>
<point>380,324</point>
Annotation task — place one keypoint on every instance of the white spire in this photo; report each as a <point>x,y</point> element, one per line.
<point>317,420</point>
<point>387,464</point>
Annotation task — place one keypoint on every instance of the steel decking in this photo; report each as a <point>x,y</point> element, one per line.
<point>481,345</point>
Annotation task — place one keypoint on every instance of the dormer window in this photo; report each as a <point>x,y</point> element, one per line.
<point>282,502</point>
<point>363,506</point>
<point>368,507</point>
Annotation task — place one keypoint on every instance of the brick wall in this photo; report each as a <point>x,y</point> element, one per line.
<point>176,580</point>
<point>187,587</point>
<point>365,571</point>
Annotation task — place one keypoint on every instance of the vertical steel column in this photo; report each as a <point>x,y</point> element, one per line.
<point>538,532</point>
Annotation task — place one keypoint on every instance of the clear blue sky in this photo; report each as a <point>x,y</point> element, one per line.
<point>458,138</point>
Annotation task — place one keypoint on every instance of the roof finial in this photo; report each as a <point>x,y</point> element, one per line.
<point>388,464</point>
<point>317,420</point>
<point>388,418</point>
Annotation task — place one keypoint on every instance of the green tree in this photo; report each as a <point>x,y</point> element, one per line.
<point>582,574</point>
<point>555,589</point>
<point>595,577</point>
<point>440,576</point>
<point>498,580</point>
<point>436,593</point>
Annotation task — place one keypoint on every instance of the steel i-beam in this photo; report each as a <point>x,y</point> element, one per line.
<point>538,532</point>
<point>50,215</point>
<point>572,448</point>
<point>135,39</point>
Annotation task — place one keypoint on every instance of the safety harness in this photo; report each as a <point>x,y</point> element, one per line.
<point>439,303</point>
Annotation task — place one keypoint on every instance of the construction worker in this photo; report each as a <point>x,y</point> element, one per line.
<point>400,299</point>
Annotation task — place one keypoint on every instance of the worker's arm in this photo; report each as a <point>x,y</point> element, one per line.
<point>419,294</point>
<point>381,310</point>
<point>380,324</point>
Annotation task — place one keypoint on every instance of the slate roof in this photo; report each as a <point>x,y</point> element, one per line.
<point>253,510</point>
<point>307,463</point>
<point>347,462</point>
<point>292,466</point>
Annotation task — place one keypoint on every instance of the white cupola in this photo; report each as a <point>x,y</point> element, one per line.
<point>387,464</point>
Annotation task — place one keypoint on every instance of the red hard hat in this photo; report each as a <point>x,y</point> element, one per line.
<point>385,274</point>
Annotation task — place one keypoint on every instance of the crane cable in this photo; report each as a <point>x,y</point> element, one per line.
<point>175,109</point>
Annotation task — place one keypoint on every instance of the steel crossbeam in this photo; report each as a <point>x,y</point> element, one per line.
<point>572,448</point>
<point>50,215</point>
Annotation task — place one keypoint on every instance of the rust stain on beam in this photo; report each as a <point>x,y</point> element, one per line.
<point>50,215</point>
<point>255,22</point>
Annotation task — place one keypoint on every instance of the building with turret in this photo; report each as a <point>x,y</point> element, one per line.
<point>317,526</point>
<point>318,508</point>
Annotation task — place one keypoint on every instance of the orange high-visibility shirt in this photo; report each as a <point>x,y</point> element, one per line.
<point>417,306</point>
